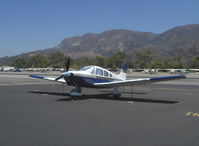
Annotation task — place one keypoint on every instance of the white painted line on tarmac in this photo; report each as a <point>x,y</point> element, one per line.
<point>192,114</point>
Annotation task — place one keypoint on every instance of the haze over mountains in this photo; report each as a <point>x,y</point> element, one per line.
<point>181,40</point>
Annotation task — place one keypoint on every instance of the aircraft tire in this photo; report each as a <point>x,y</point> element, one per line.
<point>116,95</point>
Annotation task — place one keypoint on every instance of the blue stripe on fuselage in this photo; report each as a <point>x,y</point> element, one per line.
<point>88,81</point>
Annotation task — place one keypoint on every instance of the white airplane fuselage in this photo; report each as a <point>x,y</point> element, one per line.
<point>87,78</point>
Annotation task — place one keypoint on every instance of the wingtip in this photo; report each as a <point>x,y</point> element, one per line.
<point>36,76</point>
<point>168,77</point>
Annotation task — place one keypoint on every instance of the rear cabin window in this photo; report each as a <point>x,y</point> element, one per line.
<point>106,73</point>
<point>99,72</point>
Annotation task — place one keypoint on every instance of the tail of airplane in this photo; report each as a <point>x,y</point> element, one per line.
<point>122,74</point>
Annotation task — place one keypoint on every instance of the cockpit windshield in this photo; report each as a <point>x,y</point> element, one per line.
<point>86,68</point>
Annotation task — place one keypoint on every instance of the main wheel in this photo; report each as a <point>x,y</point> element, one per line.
<point>116,95</point>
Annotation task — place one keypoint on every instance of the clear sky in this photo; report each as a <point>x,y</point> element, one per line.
<point>27,25</point>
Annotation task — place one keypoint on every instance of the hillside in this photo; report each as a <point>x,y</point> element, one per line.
<point>103,44</point>
<point>181,40</point>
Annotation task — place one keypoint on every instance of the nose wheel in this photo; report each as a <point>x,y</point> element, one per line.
<point>76,92</point>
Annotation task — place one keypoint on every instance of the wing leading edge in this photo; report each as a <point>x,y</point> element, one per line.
<point>119,83</point>
<point>48,78</point>
<point>137,81</point>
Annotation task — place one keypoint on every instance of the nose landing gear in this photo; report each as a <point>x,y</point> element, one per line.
<point>76,92</point>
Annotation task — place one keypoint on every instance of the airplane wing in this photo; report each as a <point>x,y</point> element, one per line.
<point>48,78</point>
<point>136,81</point>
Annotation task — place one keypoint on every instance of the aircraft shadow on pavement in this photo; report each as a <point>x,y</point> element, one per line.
<point>104,96</point>
<point>126,92</point>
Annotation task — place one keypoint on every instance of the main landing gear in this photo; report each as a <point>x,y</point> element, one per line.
<point>116,92</point>
<point>76,92</point>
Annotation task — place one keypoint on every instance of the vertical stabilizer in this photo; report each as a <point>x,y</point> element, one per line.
<point>123,73</point>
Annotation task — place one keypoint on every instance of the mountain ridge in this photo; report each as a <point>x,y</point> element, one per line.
<point>180,40</point>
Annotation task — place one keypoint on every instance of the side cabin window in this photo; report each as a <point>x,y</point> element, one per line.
<point>110,75</point>
<point>105,73</point>
<point>99,72</point>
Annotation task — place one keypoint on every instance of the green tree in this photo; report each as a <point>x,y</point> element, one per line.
<point>57,60</point>
<point>131,64</point>
<point>179,62</point>
<point>157,63</point>
<point>38,61</point>
<point>195,62</point>
<point>100,61</point>
<point>83,61</point>
<point>108,62</point>
<point>118,58</point>
<point>20,63</point>
<point>114,61</point>
<point>168,64</point>
<point>144,59</point>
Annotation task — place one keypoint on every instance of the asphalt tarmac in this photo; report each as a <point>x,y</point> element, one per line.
<point>40,113</point>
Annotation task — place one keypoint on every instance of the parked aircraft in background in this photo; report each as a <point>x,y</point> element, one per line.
<point>178,71</point>
<point>97,77</point>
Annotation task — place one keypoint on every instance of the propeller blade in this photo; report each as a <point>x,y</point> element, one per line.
<point>67,64</point>
<point>58,78</point>
<point>64,75</point>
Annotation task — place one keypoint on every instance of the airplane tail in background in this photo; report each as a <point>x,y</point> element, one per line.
<point>123,73</point>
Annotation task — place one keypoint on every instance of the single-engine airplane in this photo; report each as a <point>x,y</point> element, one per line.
<point>97,77</point>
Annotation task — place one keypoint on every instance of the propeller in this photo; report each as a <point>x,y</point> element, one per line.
<point>67,66</point>
<point>59,77</point>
